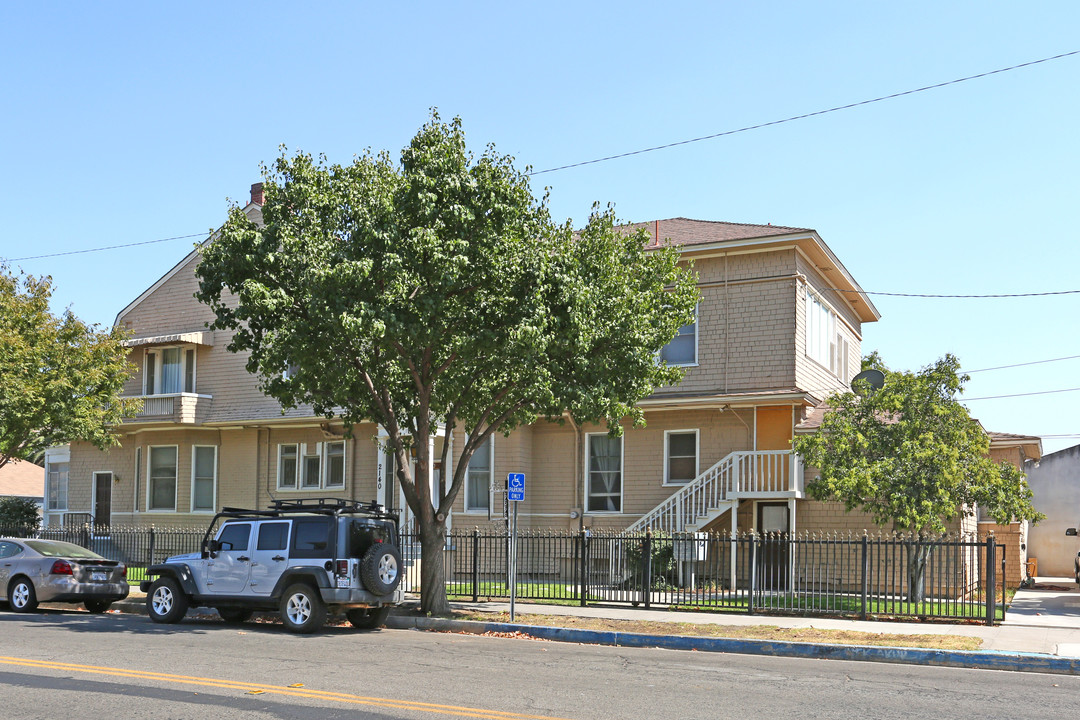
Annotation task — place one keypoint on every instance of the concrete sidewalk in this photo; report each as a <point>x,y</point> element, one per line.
<point>1041,632</point>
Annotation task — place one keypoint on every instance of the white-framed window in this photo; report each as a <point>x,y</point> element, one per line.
<point>839,360</point>
<point>137,500</point>
<point>311,466</point>
<point>820,331</point>
<point>57,486</point>
<point>680,456</point>
<point>682,350</point>
<point>479,476</point>
<point>168,370</point>
<point>288,465</point>
<point>203,478</point>
<point>335,464</point>
<point>161,478</point>
<point>603,473</point>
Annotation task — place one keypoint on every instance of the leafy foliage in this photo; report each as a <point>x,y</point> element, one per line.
<point>62,379</point>
<point>21,513</point>
<point>910,454</point>
<point>437,293</point>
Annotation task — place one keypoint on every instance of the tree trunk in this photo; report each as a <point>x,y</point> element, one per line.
<point>432,570</point>
<point>918,555</point>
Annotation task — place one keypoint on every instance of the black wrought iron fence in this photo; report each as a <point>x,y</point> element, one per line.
<point>827,574</point>
<point>954,577</point>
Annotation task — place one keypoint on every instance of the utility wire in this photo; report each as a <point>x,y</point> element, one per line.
<point>802,117</point>
<point>1027,394</point>
<point>975,297</point>
<point>694,140</point>
<point>1023,364</point>
<point>110,247</point>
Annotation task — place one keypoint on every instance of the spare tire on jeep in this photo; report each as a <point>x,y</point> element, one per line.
<point>380,568</point>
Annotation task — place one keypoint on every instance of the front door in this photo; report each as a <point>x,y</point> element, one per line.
<point>773,567</point>
<point>103,482</point>
<point>227,570</point>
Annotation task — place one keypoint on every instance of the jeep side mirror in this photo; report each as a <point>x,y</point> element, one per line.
<point>1071,532</point>
<point>214,546</point>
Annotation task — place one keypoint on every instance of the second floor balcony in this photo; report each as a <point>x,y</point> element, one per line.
<point>183,408</point>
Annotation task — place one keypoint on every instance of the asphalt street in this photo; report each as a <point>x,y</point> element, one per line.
<point>71,663</point>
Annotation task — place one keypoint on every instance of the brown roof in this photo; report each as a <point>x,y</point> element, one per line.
<point>684,231</point>
<point>22,479</point>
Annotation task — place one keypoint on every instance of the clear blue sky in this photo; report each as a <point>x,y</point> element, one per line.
<point>129,122</point>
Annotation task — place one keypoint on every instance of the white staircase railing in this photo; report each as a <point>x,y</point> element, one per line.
<point>742,474</point>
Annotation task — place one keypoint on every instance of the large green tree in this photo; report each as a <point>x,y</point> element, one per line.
<point>435,294</point>
<point>910,455</point>
<point>60,379</point>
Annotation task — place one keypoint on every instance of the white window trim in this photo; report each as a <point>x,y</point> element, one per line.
<point>137,480</point>
<point>829,333</point>
<point>622,478</point>
<point>49,462</point>
<point>325,469</point>
<point>323,453</point>
<point>697,333</point>
<point>150,484</point>
<point>296,478</point>
<point>491,480</point>
<point>697,456</point>
<point>213,505</point>
<point>158,360</point>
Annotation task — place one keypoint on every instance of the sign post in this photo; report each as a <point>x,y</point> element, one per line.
<point>515,493</point>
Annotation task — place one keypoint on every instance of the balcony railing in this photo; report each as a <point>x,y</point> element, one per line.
<point>185,408</point>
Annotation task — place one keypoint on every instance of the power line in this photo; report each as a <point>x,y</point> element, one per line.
<point>694,140</point>
<point>804,116</point>
<point>974,297</point>
<point>1027,394</point>
<point>1023,364</point>
<point>99,249</point>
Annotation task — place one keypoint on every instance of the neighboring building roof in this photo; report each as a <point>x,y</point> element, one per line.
<point>22,479</point>
<point>1031,445</point>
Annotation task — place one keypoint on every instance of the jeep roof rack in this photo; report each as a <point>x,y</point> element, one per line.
<point>318,506</point>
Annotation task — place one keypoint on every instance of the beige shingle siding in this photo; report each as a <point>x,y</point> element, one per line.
<point>744,326</point>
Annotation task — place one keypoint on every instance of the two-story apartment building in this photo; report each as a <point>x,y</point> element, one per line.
<point>777,329</point>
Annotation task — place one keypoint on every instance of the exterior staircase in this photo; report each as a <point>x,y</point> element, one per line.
<point>760,474</point>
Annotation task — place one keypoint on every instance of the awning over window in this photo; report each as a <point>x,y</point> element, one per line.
<point>191,338</point>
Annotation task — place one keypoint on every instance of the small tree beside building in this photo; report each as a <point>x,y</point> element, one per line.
<point>910,455</point>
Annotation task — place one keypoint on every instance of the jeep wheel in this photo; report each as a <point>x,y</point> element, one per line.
<point>380,569</point>
<point>302,609</point>
<point>368,618</point>
<point>21,596</point>
<point>166,602</point>
<point>234,616</point>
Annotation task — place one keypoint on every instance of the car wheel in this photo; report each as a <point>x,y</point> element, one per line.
<point>368,618</point>
<point>97,606</point>
<point>234,616</point>
<point>166,602</point>
<point>21,596</point>
<point>302,609</point>
<point>380,568</point>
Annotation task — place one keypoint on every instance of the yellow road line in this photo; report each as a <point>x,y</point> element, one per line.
<point>274,689</point>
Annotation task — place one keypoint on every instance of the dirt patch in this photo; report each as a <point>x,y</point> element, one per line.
<point>735,632</point>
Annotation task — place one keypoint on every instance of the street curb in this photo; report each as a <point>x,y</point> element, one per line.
<point>972,659</point>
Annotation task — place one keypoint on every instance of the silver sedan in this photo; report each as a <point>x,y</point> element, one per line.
<point>33,571</point>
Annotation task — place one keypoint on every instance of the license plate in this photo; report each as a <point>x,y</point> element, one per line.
<point>98,577</point>
<point>343,582</point>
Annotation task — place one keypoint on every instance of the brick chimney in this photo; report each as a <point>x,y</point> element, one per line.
<point>257,193</point>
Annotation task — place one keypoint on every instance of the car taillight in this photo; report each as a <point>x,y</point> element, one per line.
<point>61,567</point>
<point>123,571</point>
<point>343,568</point>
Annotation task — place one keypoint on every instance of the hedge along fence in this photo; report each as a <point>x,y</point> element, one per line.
<point>806,574</point>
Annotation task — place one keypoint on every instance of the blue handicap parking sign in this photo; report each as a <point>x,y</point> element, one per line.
<point>515,486</point>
